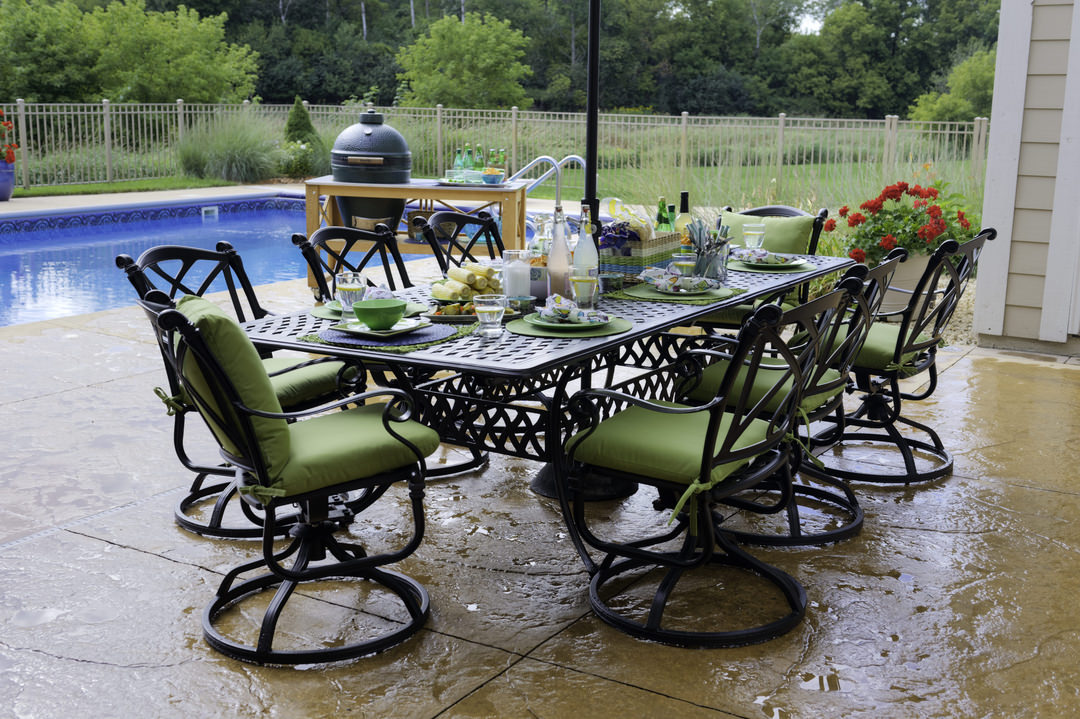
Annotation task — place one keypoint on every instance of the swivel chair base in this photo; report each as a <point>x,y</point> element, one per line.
<point>310,544</point>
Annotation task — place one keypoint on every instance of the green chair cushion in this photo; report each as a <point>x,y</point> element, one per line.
<point>299,387</point>
<point>343,446</point>
<point>664,446</point>
<point>735,316</point>
<point>714,374</point>
<point>789,235</point>
<point>241,363</point>
<point>880,347</point>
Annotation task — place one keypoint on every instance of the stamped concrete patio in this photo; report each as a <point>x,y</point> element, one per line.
<point>957,600</point>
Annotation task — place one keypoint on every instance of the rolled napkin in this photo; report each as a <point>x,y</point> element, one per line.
<point>557,309</point>
<point>760,256</point>
<point>667,280</point>
<point>589,317</point>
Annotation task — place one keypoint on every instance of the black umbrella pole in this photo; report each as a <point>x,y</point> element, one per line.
<point>592,105</point>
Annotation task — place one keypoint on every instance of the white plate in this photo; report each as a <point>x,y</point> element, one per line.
<point>407,324</point>
<point>775,265</point>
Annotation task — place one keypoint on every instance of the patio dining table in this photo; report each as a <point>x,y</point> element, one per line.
<point>505,394</point>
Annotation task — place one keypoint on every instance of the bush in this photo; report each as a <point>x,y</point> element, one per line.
<point>298,127</point>
<point>238,148</point>
<point>304,159</point>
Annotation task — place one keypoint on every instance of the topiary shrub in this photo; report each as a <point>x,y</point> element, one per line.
<point>298,127</point>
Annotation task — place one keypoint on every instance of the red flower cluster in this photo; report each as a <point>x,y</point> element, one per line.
<point>902,215</point>
<point>8,148</point>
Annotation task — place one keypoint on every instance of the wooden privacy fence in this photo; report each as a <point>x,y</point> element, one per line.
<point>807,162</point>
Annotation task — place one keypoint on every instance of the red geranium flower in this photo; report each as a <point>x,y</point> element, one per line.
<point>858,255</point>
<point>934,211</point>
<point>872,206</point>
<point>843,211</point>
<point>830,225</point>
<point>856,219</point>
<point>887,242</point>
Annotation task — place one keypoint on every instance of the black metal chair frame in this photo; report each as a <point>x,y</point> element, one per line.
<point>319,516</point>
<point>445,244</point>
<point>703,540</point>
<point>192,278</point>
<point>325,259</point>
<point>921,324</point>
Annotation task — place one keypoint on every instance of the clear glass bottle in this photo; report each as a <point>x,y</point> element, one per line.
<point>558,263</point>
<point>683,219</point>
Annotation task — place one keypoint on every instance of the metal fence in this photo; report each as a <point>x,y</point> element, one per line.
<point>741,161</point>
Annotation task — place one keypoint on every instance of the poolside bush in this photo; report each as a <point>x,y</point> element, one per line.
<point>239,148</point>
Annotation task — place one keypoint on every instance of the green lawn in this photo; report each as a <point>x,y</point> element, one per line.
<point>98,188</point>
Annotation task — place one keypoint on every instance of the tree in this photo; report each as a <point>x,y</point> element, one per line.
<point>298,126</point>
<point>475,63</point>
<point>971,91</point>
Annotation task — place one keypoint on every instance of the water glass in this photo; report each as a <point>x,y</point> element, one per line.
<point>489,312</point>
<point>683,263</point>
<point>584,288</point>
<point>516,272</point>
<point>351,287</point>
<point>753,235</point>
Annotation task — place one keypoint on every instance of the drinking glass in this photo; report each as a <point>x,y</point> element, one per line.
<point>489,312</point>
<point>516,273</point>
<point>683,263</point>
<point>351,287</point>
<point>584,288</point>
<point>753,235</point>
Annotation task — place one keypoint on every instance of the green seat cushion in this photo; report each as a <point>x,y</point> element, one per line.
<point>714,374</point>
<point>880,347</point>
<point>790,235</point>
<point>241,364</point>
<point>339,447</point>
<point>301,386</point>
<point>664,446</point>
<point>735,316</point>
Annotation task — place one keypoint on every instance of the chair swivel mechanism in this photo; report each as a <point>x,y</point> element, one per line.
<point>696,456</point>
<point>300,467</point>
<point>894,352</point>
<point>175,270</point>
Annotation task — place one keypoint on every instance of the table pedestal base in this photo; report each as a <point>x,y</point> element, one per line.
<point>600,488</point>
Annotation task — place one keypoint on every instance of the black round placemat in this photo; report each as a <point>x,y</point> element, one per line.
<point>434,333</point>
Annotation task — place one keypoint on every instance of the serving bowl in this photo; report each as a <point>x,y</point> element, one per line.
<point>379,314</point>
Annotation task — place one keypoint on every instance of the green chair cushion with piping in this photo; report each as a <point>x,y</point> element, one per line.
<point>714,374</point>
<point>664,446</point>
<point>241,363</point>
<point>301,386</point>
<point>735,316</point>
<point>790,235</point>
<point>880,347</point>
<point>339,447</point>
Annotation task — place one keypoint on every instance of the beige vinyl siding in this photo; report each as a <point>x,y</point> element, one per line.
<point>1037,169</point>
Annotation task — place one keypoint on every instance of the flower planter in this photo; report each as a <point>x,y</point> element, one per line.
<point>7,180</point>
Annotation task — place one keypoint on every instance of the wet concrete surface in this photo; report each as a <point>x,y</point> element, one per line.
<point>956,600</point>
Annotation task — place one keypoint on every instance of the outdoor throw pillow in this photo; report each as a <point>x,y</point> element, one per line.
<point>790,235</point>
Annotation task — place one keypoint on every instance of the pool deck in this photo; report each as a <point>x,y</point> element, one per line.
<point>957,600</point>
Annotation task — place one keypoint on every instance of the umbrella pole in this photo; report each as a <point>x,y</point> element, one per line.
<point>592,104</point>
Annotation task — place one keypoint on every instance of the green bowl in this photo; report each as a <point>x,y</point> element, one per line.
<point>379,314</point>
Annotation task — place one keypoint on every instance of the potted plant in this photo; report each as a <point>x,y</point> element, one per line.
<point>7,165</point>
<point>914,217</point>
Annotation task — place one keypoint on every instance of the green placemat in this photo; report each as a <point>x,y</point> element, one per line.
<point>521,327</point>
<point>645,291</point>
<point>461,331</point>
<point>412,308</point>
<point>773,269</point>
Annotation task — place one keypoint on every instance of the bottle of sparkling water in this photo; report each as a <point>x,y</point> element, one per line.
<point>558,264</point>
<point>683,219</point>
<point>478,160</point>
<point>467,161</point>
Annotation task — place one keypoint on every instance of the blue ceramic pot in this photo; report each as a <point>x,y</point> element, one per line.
<point>7,180</point>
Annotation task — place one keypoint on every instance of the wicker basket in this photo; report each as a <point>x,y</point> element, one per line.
<point>637,255</point>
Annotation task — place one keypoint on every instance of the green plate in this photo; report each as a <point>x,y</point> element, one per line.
<point>534,319</point>
<point>409,324</point>
<point>684,293</point>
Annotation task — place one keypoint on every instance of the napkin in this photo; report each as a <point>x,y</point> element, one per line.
<point>668,280</point>
<point>761,256</point>
<point>378,293</point>
<point>559,309</point>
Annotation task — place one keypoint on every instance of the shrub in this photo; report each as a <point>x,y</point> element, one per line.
<point>298,127</point>
<point>238,148</point>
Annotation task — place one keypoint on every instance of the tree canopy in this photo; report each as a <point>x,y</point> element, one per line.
<point>869,58</point>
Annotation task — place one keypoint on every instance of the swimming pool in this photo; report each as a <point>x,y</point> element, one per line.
<point>63,265</point>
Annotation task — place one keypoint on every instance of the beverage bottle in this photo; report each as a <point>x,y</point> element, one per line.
<point>558,262</point>
<point>671,217</point>
<point>586,264</point>
<point>502,159</point>
<point>493,159</point>
<point>478,160</point>
<point>467,161</point>
<point>661,213</point>
<point>458,160</point>
<point>683,219</point>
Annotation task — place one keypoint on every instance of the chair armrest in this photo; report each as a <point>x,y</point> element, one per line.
<point>402,399</point>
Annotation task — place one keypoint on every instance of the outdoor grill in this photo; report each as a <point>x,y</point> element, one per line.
<point>370,152</point>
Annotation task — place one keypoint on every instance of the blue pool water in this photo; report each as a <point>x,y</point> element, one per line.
<point>63,266</point>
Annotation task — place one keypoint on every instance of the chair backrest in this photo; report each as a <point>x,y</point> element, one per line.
<point>331,250</point>
<point>878,279</point>
<point>222,375</point>
<point>451,244</point>
<point>785,236</point>
<point>177,270</point>
<point>936,297</point>
<point>759,393</point>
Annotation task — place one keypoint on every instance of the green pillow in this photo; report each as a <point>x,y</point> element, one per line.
<point>763,382</point>
<point>241,363</point>
<point>789,235</point>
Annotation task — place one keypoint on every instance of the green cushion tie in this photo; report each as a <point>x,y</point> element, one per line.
<point>174,404</point>
<point>904,370</point>
<point>690,495</point>
<point>261,493</point>
<point>794,436</point>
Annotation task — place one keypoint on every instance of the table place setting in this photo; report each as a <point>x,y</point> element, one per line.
<point>670,284</point>
<point>561,317</point>
<point>761,260</point>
